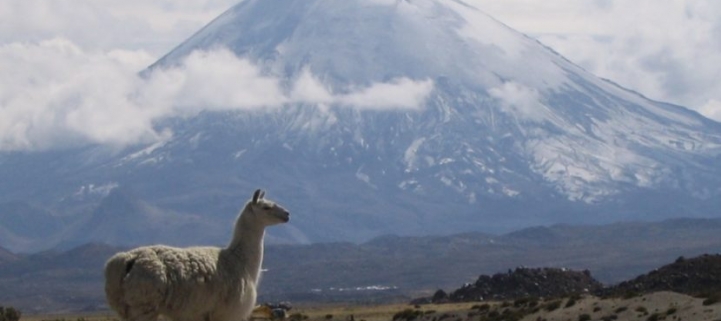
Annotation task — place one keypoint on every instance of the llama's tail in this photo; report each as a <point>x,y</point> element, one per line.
<point>116,269</point>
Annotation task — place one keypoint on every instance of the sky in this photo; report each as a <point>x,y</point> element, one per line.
<point>56,56</point>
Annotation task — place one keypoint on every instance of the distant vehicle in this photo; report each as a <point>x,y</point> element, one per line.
<point>270,311</point>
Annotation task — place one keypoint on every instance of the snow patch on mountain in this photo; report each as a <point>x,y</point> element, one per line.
<point>411,155</point>
<point>95,190</point>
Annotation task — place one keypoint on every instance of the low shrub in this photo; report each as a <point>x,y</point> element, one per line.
<point>571,302</point>
<point>9,314</point>
<point>407,315</point>
<point>297,317</point>
<point>609,317</point>
<point>654,317</point>
<point>553,305</point>
<point>481,307</point>
<point>712,299</point>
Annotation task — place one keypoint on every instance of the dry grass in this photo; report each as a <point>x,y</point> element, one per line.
<point>313,313</point>
<point>72,317</point>
<point>657,306</point>
<point>372,312</point>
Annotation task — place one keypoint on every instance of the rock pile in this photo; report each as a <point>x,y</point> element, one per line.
<point>696,276</point>
<point>527,282</point>
<point>699,276</point>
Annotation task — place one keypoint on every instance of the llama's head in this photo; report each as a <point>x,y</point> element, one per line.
<point>266,211</point>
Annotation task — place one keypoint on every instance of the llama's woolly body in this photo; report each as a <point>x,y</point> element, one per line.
<point>197,283</point>
<point>180,283</point>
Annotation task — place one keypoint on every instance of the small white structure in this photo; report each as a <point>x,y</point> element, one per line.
<point>196,283</point>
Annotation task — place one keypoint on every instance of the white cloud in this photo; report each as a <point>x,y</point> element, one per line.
<point>155,26</point>
<point>398,93</point>
<point>215,80</point>
<point>54,94</point>
<point>712,109</point>
<point>309,89</point>
<point>69,67</point>
<point>668,50</point>
<point>520,101</point>
<point>401,93</point>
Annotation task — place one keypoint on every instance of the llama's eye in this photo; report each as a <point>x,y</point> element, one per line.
<point>266,207</point>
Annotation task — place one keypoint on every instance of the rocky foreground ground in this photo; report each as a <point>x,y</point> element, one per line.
<point>649,307</point>
<point>687,289</point>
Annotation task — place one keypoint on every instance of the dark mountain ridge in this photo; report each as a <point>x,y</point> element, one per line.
<point>386,268</point>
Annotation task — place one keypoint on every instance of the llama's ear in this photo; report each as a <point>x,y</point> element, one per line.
<point>262,195</point>
<point>256,196</point>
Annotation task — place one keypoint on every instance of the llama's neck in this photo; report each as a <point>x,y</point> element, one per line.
<point>247,244</point>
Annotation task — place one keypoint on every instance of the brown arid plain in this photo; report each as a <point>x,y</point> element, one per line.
<point>649,307</point>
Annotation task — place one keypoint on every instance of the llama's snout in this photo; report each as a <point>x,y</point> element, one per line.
<point>285,217</point>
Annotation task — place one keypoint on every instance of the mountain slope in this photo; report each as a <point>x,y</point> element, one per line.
<point>122,218</point>
<point>508,133</point>
<point>25,226</point>
<point>7,256</point>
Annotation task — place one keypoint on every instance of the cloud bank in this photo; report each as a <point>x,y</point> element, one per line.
<point>152,26</point>
<point>69,66</point>
<point>668,50</point>
<point>53,94</point>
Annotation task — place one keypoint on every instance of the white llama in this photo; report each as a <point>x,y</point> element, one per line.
<point>197,283</point>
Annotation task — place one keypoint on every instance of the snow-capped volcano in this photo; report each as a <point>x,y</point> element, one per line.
<point>411,117</point>
<point>498,97</point>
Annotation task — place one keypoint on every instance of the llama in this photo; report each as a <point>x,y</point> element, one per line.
<point>196,283</point>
